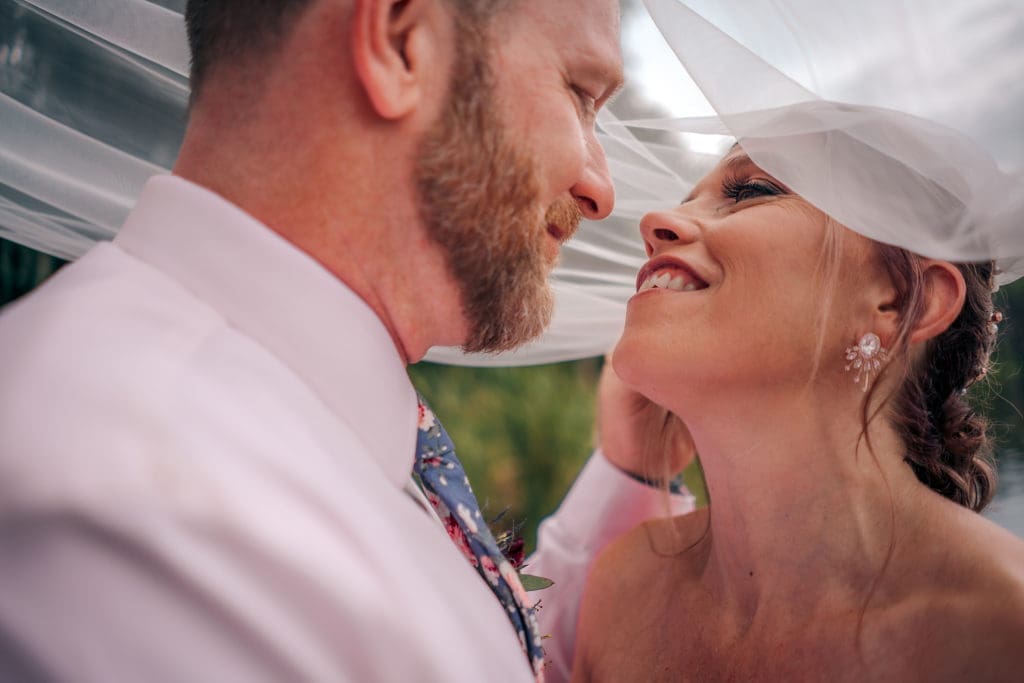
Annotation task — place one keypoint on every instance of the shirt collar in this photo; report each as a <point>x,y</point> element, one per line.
<point>279,296</point>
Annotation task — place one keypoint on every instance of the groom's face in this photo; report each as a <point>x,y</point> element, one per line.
<point>513,164</point>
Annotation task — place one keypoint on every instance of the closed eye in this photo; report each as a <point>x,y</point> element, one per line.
<point>740,190</point>
<point>587,102</point>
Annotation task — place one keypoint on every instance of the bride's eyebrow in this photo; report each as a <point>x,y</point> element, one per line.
<point>732,166</point>
<point>739,162</point>
<point>743,163</point>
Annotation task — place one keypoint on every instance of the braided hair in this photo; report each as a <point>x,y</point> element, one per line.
<point>947,442</point>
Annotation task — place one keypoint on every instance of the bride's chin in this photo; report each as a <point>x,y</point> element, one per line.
<point>634,364</point>
<point>654,371</point>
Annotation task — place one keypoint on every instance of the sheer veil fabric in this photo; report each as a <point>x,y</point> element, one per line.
<point>900,120</point>
<point>885,166</point>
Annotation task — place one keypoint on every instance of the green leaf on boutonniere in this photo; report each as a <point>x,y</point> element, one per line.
<point>535,583</point>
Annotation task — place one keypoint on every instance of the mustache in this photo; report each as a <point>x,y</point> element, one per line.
<point>565,215</point>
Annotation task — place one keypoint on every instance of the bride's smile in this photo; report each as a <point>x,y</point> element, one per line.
<point>669,273</point>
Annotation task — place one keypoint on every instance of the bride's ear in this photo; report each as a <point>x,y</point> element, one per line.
<point>942,300</point>
<point>399,47</point>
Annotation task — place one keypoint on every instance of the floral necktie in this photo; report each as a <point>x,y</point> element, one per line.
<point>447,488</point>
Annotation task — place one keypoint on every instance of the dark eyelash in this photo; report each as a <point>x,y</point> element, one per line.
<point>739,189</point>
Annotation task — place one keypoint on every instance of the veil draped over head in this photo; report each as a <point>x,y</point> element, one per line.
<point>900,120</point>
<point>886,165</point>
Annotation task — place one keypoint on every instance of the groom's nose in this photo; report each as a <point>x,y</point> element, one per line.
<point>594,191</point>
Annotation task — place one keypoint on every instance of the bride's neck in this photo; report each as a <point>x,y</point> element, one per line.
<point>799,503</point>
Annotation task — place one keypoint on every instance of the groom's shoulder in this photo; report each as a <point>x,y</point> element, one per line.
<point>106,299</point>
<point>105,321</point>
<point>92,372</point>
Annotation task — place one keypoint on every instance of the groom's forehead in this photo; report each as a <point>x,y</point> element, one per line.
<point>584,32</point>
<point>566,20</point>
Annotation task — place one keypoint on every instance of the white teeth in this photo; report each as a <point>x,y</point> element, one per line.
<point>665,280</point>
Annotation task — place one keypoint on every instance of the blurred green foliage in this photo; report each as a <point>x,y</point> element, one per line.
<point>521,433</point>
<point>524,433</point>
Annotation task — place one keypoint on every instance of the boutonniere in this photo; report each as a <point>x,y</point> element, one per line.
<point>513,547</point>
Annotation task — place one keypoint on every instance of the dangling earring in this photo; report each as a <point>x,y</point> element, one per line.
<point>866,358</point>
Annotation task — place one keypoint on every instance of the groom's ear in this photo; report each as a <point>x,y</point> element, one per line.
<point>400,48</point>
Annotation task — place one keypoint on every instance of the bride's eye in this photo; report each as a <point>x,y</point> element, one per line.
<point>740,190</point>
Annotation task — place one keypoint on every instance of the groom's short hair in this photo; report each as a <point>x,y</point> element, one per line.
<point>227,30</point>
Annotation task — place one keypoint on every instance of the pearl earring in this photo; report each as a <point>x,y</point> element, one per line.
<point>866,358</point>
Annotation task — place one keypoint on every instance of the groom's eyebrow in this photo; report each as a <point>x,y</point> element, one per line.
<point>602,68</point>
<point>613,79</point>
<point>616,79</point>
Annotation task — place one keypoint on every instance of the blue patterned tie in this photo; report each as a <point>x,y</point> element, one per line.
<point>448,490</point>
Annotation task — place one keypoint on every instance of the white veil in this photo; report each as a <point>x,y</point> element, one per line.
<point>884,172</point>
<point>93,97</point>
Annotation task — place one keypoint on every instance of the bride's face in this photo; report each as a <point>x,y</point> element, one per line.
<point>731,298</point>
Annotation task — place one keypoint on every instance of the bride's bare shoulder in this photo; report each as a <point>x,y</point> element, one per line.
<point>648,546</point>
<point>964,609</point>
<point>633,588</point>
<point>629,571</point>
<point>990,572</point>
<point>979,553</point>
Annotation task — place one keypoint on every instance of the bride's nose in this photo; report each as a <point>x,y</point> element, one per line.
<point>663,229</point>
